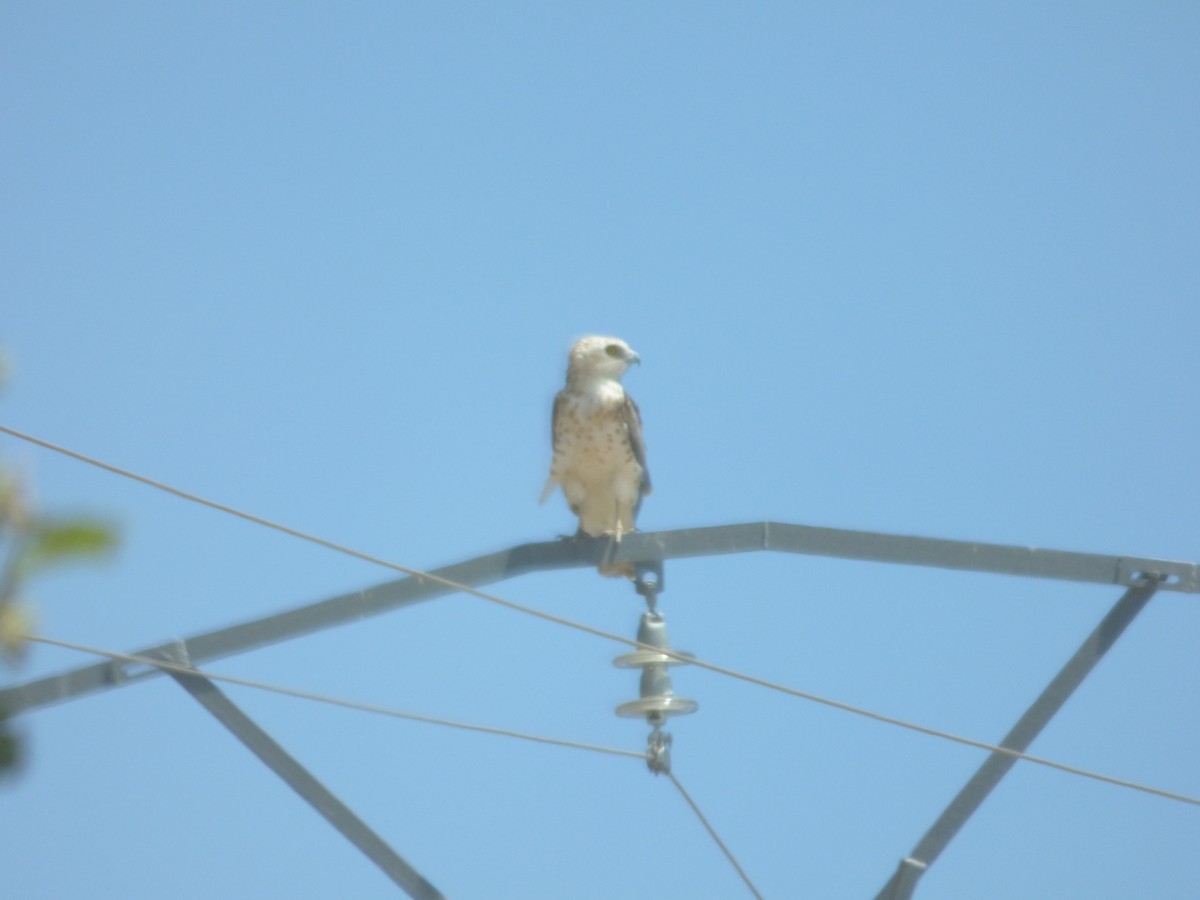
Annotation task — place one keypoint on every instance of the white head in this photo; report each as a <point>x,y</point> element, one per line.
<point>600,357</point>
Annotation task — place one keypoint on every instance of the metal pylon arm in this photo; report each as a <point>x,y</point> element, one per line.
<point>639,547</point>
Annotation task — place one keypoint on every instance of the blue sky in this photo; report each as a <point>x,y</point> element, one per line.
<point>921,269</point>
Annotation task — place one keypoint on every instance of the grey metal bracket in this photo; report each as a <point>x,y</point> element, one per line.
<point>123,672</point>
<point>1133,571</point>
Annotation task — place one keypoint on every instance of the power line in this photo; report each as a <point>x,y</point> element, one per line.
<point>313,539</point>
<point>588,629</point>
<point>221,507</point>
<point>168,666</point>
<point>713,834</point>
<point>394,713</point>
<point>177,668</point>
<point>934,732</point>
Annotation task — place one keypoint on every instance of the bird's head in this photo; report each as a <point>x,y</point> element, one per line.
<point>600,357</point>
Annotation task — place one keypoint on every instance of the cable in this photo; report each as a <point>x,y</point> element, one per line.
<point>716,837</point>
<point>221,507</point>
<point>934,732</point>
<point>588,629</point>
<point>168,666</point>
<point>313,539</point>
<point>372,708</point>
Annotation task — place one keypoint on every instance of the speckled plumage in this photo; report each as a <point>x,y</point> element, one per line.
<point>599,456</point>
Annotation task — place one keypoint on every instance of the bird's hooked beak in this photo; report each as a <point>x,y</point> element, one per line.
<point>633,358</point>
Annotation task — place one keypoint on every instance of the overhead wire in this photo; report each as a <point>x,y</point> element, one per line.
<point>314,539</point>
<point>598,632</point>
<point>713,834</point>
<point>168,666</point>
<point>934,732</point>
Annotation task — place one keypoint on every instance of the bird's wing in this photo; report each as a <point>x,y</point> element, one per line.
<point>633,424</point>
<point>559,399</point>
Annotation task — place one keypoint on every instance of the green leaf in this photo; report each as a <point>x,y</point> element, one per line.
<point>13,511</point>
<point>50,542</point>
<point>16,623</point>
<point>10,745</point>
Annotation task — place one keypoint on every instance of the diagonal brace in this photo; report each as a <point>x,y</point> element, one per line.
<point>303,783</point>
<point>996,766</point>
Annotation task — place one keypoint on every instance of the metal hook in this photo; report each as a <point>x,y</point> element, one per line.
<point>648,581</point>
<point>658,752</point>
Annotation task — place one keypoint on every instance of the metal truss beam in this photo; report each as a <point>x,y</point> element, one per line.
<point>303,783</point>
<point>641,547</point>
<point>1028,727</point>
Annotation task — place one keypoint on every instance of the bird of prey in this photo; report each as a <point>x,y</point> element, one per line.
<point>599,458</point>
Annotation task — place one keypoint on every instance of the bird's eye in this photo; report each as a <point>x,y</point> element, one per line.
<point>613,350</point>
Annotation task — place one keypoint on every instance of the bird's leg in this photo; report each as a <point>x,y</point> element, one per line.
<point>610,550</point>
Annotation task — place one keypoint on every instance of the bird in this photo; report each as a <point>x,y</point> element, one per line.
<point>599,455</point>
